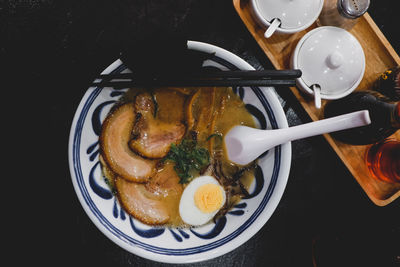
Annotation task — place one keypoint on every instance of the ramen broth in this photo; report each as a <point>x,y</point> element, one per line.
<point>208,114</point>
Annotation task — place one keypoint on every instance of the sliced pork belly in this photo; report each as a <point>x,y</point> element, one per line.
<point>151,202</point>
<point>165,182</point>
<point>151,137</point>
<point>140,203</point>
<point>115,151</point>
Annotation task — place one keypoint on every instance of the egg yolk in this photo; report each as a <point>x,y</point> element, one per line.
<point>208,198</point>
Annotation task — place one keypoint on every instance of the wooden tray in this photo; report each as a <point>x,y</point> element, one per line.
<point>379,57</point>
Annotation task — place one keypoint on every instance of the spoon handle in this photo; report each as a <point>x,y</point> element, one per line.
<point>271,29</point>
<point>244,144</point>
<point>338,123</point>
<point>317,95</point>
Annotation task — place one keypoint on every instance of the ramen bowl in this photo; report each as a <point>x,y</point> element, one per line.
<point>167,244</point>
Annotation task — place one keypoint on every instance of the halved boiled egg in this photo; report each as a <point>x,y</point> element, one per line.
<point>202,198</point>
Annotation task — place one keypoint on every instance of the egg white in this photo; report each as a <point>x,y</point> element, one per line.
<point>188,210</point>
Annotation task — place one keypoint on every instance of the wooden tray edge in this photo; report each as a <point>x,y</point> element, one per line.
<point>379,202</point>
<point>382,37</point>
<point>392,53</point>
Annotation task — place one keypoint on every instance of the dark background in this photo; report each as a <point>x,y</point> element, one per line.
<point>49,53</point>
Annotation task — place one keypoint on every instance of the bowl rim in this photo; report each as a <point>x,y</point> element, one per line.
<point>273,201</point>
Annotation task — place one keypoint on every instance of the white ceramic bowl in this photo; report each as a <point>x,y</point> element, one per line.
<point>333,58</point>
<point>169,244</point>
<point>302,17</point>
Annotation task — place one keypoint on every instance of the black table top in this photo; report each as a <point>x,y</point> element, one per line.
<point>60,45</point>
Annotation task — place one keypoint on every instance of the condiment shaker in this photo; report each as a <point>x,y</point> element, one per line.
<point>342,13</point>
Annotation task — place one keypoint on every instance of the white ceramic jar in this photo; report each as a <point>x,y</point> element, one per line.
<point>332,62</point>
<point>286,16</point>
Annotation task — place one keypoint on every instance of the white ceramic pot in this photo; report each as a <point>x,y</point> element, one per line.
<point>331,59</point>
<point>286,16</point>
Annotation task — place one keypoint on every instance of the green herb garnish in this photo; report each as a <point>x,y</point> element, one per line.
<point>110,185</point>
<point>219,135</point>
<point>188,158</point>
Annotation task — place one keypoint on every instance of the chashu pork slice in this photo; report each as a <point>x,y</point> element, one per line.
<point>152,138</point>
<point>165,182</point>
<point>155,202</point>
<point>140,203</point>
<point>115,151</point>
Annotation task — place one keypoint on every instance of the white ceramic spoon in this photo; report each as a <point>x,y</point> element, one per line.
<point>244,144</point>
<point>272,28</point>
<point>317,95</point>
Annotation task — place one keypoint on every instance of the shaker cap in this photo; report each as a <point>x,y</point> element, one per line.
<point>353,8</point>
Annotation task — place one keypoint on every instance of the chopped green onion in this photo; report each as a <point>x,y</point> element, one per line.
<point>188,158</point>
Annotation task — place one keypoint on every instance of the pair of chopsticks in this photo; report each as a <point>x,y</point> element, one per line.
<point>203,78</point>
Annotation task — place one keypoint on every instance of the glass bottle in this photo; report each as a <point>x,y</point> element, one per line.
<point>383,160</point>
<point>342,13</point>
<point>385,117</point>
<point>388,83</point>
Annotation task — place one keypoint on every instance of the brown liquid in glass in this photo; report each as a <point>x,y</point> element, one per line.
<point>383,161</point>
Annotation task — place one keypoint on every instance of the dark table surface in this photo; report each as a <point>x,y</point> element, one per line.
<point>50,52</point>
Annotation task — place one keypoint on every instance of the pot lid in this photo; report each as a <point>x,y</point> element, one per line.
<point>332,58</point>
<point>292,13</point>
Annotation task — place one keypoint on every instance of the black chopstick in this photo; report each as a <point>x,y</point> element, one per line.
<point>202,78</point>
<point>194,83</point>
<point>235,74</point>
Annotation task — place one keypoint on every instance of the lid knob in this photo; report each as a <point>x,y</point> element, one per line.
<point>335,60</point>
